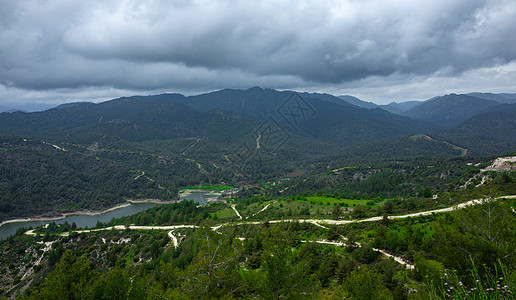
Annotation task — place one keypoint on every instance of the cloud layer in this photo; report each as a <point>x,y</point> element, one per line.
<point>88,48</point>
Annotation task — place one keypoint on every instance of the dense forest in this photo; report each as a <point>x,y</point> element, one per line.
<point>109,172</point>
<point>214,253</point>
<point>86,156</point>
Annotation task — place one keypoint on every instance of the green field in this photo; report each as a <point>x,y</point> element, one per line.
<point>226,213</point>
<point>208,187</point>
<point>334,201</point>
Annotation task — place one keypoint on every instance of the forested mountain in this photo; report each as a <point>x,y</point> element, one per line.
<point>174,116</point>
<point>28,106</point>
<point>133,119</point>
<point>400,107</point>
<point>235,136</point>
<point>486,133</point>
<point>230,115</point>
<point>302,245</point>
<point>39,178</point>
<point>451,110</point>
<point>256,102</point>
<point>397,108</point>
<point>358,102</point>
<point>501,98</point>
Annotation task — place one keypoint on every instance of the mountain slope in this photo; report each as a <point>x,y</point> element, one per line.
<point>324,116</point>
<point>486,134</point>
<point>228,114</point>
<point>256,102</point>
<point>451,110</point>
<point>400,107</point>
<point>501,98</point>
<point>133,119</point>
<point>358,102</point>
<point>38,177</point>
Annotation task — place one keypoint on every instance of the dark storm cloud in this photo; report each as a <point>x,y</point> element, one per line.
<point>199,45</point>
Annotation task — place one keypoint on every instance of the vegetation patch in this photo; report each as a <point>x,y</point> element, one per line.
<point>208,187</point>
<point>341,202</point>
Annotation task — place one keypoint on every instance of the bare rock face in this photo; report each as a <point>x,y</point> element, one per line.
<point>503,164</point>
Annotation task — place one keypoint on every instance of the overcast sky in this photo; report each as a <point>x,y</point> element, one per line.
<point>381,51</point>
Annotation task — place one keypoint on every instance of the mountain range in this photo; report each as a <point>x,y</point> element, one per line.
<point>501,98</point>
<point>150,146</point>
<point>403,108</point>
<point>26,107</point>
<point>227,113</point>
<point>234,117</point>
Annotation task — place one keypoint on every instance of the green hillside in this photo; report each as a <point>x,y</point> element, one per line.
<point>287,247</point>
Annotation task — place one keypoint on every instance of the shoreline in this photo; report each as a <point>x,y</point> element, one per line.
<point>156,201</point>
<point>64,215</point>
<point>206,191</point>
<point>128,202</point>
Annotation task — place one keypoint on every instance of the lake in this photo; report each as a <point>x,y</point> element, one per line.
<point>9,229</point>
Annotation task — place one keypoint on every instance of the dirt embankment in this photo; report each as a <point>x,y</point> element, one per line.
<point>503,164</point>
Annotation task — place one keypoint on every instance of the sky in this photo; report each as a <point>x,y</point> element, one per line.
<point>381,50</point>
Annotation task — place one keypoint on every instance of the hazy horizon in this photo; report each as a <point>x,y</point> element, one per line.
<point>41,106</point>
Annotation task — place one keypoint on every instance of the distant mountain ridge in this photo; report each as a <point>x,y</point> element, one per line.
<point>400,107</point>
<point>393,107</point>
<point>358,102</point>
<point>133,119</point>
<point>501,98</point>
<point>491,132</point>
<point>403,108</point>
<point>451,110</point>
<point>174,115</point>
<point>229,117</point>
<point>28,107</point>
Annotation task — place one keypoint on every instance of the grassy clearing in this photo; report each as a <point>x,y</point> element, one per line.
<point>334,201</point>
<point>418,136</point>
<point>225,214</point>
<point>248,211</point>
<point>296,209</point>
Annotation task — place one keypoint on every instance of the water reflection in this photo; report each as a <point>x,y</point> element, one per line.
<point>9,229</point>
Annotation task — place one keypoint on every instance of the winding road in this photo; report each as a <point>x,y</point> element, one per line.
<point>263,209</point>
<point>173,238</point>
<point>317,222</point>
<point>233,206</point>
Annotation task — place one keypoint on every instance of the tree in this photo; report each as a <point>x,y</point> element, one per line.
<point>346,266</point>
<point>284,276</point>
<point>366,284</point>
<point>482,234</point>
<point>114,285</point>
<point>388,206</point>
<point>359,212</point>
<point>365,254</point>
<point>351,243</point>
<point>426,193</point>
<point>213,272</point>
<point>336,212</point>
<point>430,270</point>
<point>332,234</point>
<point>69,280</point>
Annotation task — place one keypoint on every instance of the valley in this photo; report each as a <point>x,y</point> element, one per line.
<point>276,150</point>
<point>259,193</point>
<point>351,236</point>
